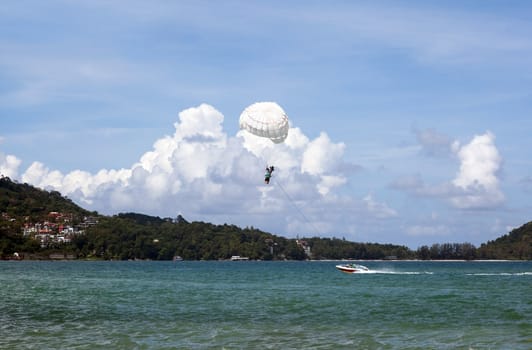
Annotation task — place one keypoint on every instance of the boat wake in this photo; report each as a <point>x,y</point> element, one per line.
<point>391,272</point>
<point>404,272</point>
<point>500,274</point>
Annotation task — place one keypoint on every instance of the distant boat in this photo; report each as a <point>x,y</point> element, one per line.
<point>239,258</point>
<point>352,268</point>
<point>178,258</point>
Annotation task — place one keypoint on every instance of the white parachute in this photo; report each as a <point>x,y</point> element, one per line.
<point>265,119</point>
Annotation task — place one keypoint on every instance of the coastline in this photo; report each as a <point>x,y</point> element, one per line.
<point>72,257</point>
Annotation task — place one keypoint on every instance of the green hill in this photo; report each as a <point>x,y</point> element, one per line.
<point>35,223</point>
<point>22,205</point>
<point>137,236</point>
<point>515,245</point>
<point>23,200</point>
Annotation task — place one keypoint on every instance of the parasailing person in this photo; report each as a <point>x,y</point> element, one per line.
<point>266,120</point>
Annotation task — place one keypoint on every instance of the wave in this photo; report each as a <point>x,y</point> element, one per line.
<point>500,274</point>
<point>391,272</point>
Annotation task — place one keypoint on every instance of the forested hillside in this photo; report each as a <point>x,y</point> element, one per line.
<point>23,200</point>
<point>137,236</point>
<point>515,245</point>
<point>35,223</point>
<point>22,205</point>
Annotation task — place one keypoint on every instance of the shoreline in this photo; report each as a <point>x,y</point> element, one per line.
<point>72,258</point>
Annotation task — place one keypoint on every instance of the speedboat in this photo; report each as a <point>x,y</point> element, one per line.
<point>352,268</point>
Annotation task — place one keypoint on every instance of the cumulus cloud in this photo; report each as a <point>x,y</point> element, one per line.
<point>205,174</point>
<point>9,165</point>
<point>39,175</point>
<point>476,184</point>
<point>477,178</point>
<point>321,155</point>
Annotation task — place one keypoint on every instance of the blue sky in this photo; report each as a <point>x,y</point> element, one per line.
<point>410,120</point>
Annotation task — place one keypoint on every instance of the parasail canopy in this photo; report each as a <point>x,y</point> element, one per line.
<point>265,119</point>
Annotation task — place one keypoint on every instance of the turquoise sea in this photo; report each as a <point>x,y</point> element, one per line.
<point>264,305</point>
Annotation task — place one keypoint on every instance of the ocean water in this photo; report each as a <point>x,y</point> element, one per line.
<point>265,305</point>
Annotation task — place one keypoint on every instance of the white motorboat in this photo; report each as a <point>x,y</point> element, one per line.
<point>352,268</point>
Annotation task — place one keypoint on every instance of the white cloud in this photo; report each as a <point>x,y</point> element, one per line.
<point>320,155</point>
<point>328,182</point>
<point>479,164</point>
<point>202,173</point>
<point>476,185</point>
<point>39,175</point>
<point>9,165</point>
